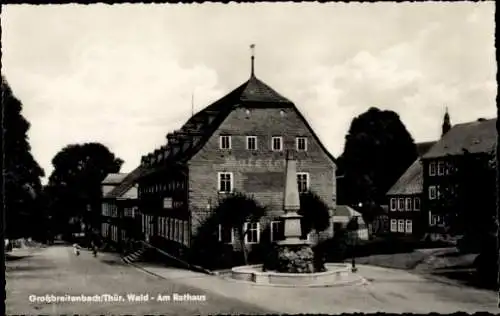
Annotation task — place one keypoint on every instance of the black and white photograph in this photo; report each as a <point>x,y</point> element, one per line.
<point>250,158</point>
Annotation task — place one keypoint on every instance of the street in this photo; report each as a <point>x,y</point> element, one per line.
<point>56,270</point>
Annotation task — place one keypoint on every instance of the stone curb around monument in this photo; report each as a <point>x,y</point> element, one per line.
<point>358,281</point>
<point>251,277</point>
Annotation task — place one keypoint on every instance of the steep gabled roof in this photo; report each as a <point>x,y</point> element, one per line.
<point>253,93</point>
<point>114,178</point>
<point>411,182</point>
<point>128,183</point>
<point>474,137</point>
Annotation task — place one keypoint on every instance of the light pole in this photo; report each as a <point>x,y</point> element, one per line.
<point>354,235</point>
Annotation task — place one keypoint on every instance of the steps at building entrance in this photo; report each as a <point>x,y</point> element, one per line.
<point>137,255</point>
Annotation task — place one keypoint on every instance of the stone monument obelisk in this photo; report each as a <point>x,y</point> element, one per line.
<point>294,254</point>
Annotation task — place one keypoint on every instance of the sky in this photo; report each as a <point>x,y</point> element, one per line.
<point>124,75</point>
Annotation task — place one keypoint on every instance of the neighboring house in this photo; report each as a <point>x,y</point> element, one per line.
<point>238,143</point>
<point>343,214</point>
<point>119,209</point>
<point>439,164</point>
<point>406,217</point>
<point>405,199</point>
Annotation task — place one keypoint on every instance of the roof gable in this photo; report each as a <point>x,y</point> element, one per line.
<point>114,178</point>
<point>411,182</point>
<point>126,188</point>
<point>257,91</point>
<point>203,124</point>
<point>474,137</point>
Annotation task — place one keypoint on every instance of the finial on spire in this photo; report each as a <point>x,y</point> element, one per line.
<point>252,49</point>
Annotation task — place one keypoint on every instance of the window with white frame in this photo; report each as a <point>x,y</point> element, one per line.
<point>409,203</point>
<point>301,143</point>
<point>401,204</point>
<point>225,142</point>
<point>416,204</point>
<point>432,192</point>
<point>277,143</point>
<point>432,168</point>
<point>394,225</point>
<point>225,182</point>
<point>226,234</point>
<point>176,229</point>
<point>186,233</point>
<point>251,142</point>
<point>434,219</point>
<point>277,230</point>
<point>408,226</point>
<point>303,181</point>
<point>252,232</point>
<point>393,204</point>
<point>440,168</point>
<point>181,232</point>
<point>401,226</point>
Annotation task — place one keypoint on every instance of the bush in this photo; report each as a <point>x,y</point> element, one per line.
<point>486,263</point>
<point>335,249</point>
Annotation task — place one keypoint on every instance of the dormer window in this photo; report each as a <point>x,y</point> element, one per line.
<point>301,143</point>
<point>225,142</point>
<point>277,143</point>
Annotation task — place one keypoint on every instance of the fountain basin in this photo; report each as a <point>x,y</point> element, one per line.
<point>336,274</point>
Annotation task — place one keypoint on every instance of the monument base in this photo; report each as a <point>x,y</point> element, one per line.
<point>295,258</point>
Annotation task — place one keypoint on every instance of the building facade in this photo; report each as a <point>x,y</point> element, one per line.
<point>406,215</point>
<point>237,144</point>
<point>441,164</point>
<point>119,213</point>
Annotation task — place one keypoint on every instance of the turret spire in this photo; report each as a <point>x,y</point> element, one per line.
<point>446,123</point>
<point>252,49</point>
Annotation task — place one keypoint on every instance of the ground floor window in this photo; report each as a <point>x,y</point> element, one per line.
<point>409,226</point>
<point>252,235</point>
<point>186,233</point>
<point>176,229</point>
<point>401,226</point>
<point>436,219</point>
<point>171,229</point>
<point>226,234</point>
<point>394,225</point>
<point>277,230</point>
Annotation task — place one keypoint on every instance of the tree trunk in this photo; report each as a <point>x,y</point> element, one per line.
<point>243,248</point>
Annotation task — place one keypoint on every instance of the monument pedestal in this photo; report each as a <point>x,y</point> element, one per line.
<point>294,255</point>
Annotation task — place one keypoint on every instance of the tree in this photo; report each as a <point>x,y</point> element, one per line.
<point>236,210</point>
<point>22,173</point>
<point>378,149</point>
<point>75,183</point>
<point>315,213</point>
